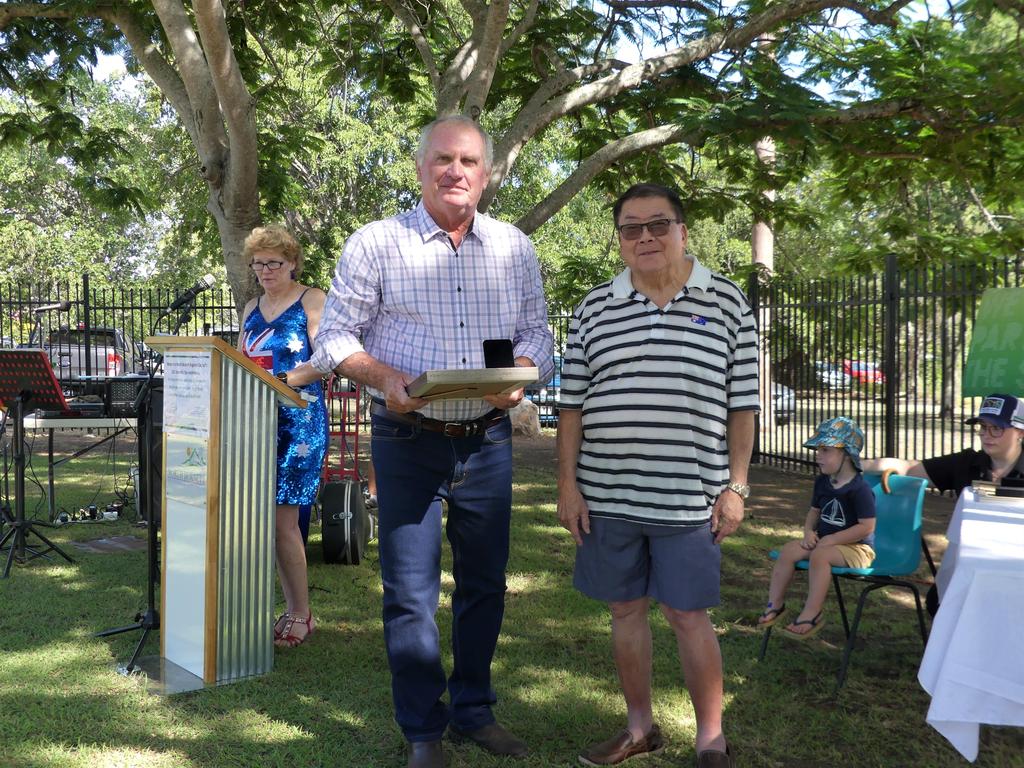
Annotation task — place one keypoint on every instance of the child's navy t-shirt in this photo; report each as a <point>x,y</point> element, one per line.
<point>843,507</point>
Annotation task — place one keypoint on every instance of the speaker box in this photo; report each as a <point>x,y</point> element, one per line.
<point>345,522</point>
<point>153,452</point>
<point>119,395</point>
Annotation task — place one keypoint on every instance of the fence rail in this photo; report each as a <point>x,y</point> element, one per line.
<point>94,317</point>
<point>886,349</point>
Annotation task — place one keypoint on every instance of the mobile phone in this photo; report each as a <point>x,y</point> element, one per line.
<point>498,353</point>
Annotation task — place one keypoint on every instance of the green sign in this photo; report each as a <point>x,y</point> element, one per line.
<point>995,362</point>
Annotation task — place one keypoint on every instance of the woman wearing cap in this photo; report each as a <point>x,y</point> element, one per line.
<point>839,528</point>
<point>1000,425</point>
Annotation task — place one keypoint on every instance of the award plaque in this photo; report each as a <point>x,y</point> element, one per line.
<point>470,384</point>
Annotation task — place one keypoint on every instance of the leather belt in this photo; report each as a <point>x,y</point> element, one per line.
<point>446,428</point>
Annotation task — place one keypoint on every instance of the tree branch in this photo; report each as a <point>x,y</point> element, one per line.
<point>520,29</point>
<point>663,135</point>
<point>404,15</point>
<point>685,5</point>
<point>540,112</point>
<point>157,67</point>
<point>11,11</point>
<point>994,225</point>
<point>236,103</point>
<point>474,8</point>
<point>601,160</point>
<point>267,53</point>
<point>213,143</point>
<point>485,58</point>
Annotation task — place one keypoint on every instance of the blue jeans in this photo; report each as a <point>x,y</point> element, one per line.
<point>416,470</point>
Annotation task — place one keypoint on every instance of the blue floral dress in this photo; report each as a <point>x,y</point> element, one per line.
<point>279,346</point>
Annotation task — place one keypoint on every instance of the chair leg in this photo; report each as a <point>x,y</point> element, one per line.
<point>852,636</point>
<point>842,605</point>
<point>917,602</point>
<point>928,556</point>
<point>920,618</point>
<point>764,643</point>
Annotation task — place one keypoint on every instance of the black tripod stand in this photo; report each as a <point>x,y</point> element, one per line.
<point>147,619</point>
<point>25,377</point>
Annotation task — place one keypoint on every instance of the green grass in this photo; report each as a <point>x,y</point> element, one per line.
<point>328,702</point>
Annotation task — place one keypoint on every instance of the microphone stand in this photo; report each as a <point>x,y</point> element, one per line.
<point>148,619</point>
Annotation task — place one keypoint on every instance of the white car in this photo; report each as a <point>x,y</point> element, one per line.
<point>783,403</point>
<point>831,376</point>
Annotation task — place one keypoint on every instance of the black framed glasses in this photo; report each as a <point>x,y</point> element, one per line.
<point>259,266</point>
<point>657,228</point>
<point>981,428</point>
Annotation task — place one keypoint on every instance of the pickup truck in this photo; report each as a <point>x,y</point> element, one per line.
<point>111,352</point>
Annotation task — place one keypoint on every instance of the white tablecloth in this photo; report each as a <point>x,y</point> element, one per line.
<point>973,666</point>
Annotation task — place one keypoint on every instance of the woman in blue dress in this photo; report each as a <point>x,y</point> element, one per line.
<point>277,333</point>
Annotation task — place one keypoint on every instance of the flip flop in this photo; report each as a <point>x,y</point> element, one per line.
<point>771,615</point>
<point>816,624</point>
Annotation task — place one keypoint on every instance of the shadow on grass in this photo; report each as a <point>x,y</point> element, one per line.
<point>328,701</point>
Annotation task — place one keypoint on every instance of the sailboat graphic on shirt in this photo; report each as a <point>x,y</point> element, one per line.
<point>833,513</point>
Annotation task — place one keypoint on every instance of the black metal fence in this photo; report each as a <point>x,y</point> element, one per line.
<point>886,349</point>
<point>100,331</point>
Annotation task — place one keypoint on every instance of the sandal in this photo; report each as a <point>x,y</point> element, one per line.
<point>770,616</point>
<point>816,624</point>
<point>289,639</point>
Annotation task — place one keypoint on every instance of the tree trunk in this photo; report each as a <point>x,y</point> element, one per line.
<point>762,243</point>
<point>947,406</point>
<point>233,227</point>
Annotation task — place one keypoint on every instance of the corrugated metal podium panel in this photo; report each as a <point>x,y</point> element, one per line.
<point>248,452</point>
<point>224,431</point>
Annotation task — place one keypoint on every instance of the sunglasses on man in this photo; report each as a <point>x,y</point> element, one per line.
<point>657,228</point>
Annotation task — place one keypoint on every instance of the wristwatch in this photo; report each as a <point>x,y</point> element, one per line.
<point>283,376</point>
<point>741,490</point>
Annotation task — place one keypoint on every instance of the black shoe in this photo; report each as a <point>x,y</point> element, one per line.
<point>493,737</point>
<point>425,754</point>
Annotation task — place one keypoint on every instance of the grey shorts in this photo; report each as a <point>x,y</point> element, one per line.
<point>679,566</point>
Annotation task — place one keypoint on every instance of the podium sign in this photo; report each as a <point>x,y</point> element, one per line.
<point>995,361</point>
<point>219,490</point>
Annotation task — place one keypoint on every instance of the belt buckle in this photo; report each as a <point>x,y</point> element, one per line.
<point>453,429</point>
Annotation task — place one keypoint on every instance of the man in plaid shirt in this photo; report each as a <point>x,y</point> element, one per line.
<point>422,291</point>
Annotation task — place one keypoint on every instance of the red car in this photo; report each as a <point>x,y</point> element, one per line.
<point>866,373</point>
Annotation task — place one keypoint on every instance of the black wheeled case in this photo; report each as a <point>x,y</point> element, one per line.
<point>346,523</point>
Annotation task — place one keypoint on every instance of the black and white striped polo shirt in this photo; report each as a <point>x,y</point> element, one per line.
<point>655,386</point>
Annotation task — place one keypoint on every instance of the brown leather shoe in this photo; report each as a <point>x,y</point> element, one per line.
<point>425,754</point>
<point>713,758</point>
<point>622,747</point>
<point>493,737</point>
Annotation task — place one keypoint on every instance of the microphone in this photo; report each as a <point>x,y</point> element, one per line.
<point>204,283</point>
<point>60,306</point>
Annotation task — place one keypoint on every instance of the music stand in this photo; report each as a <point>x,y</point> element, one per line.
<point>26,378</point>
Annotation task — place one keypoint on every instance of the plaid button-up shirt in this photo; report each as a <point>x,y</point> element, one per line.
<point>406,296</point>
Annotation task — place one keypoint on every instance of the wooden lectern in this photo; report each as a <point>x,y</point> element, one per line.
<point>219,489</point>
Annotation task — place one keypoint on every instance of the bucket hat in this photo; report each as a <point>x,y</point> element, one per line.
<point>1002,410</point>
<point>840,432</point>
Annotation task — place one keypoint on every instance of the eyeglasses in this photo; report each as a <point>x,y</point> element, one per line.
<point>992,429</point>
<point>657,228</point>
<point>259,266</point>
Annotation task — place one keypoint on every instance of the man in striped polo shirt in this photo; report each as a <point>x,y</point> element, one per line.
<point>655,431</point>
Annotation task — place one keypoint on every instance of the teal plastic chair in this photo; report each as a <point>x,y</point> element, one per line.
<point>898,549</point>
